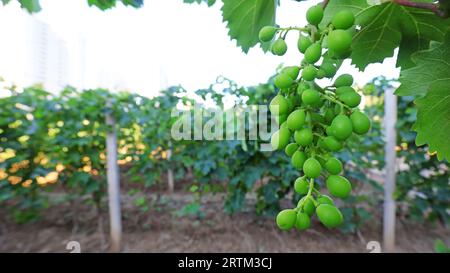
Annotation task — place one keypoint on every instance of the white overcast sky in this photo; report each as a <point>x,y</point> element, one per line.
<point>164,43</point>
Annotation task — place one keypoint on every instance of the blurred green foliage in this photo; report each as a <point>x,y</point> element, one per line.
<point>57,143</point>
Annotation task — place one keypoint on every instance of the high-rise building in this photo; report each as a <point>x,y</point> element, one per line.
<point>32,53</point>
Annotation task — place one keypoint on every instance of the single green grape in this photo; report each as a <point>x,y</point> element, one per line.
<point>303,43</point>
<point>286,219</point>
<point>343,19</point>
<point>344,89</point>
<point>333,165</point>
<point>314,15</point>
<point>301,186</point>
<point>279,47</point>
<point>291,148</point>
<point>280,139</point>
<point>292,71</point>
<point>325,199</point>
<point>313,53</point>
<point>267,33</point>
<point>351,99</point>
<point>278,105</point>
<point>283,81</point>
<point>309,73</point>
<point>338,186</point>
<point>343,80</point>
<point>296,119</point>
<point>341,127</point>
<point>360,122</point>
<point>298,159</point>
<point>310,97</point>
<point>329,215</point>
<point>303,221</point>
<point>303,137</point>
<point>308,205</point>
<point>329,69</point>
<point>339,41</point>
<point>332,143</point>
<point>312,168</point>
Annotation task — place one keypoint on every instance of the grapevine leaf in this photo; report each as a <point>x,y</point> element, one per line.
<point>133,3</point>
<point>384,27</point>
<point>102,4</point>
<point>433,119</point>
<point>30,5</point>
<point>245,18</point>
<point>432,66</point>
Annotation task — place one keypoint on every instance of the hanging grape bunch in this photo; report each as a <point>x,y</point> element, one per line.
<point>315,121</point>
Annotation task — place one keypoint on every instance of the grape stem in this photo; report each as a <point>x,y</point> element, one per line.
<point>294,28</point>
<point>335,101</point>
<point>429,6</point>
<point>325,3</point>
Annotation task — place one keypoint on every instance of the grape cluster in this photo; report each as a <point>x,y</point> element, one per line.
<point>315,121</point>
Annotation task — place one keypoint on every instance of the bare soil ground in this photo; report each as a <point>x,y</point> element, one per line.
<point>160,230</point>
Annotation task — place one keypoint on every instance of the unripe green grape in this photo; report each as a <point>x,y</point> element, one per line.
<point>310,96</point>
<point>286,219</point>
<point>339,41</point>
<point>343,19</point>
<point>266,33</point>
<point>279,47</point>
<point>278,105</point>
<point>303,221</point>
<point>329,215</point>
<point>291,148</point>
<point>312,168</point>
<point>314,15</point>
<point>308,206</point>
<point>351,99</point>
<point>309,73</point>
<point>343,80</point>
<point>298,159</point>
<point>313,53</point>
<point>333,165</point>
<point>292,71</point>
<point>329,69</point>
<point>283,81</point>
<point>338,186</point>
<point>304,137</point>
<point>360,122</point>
<point>280,119</point>
<point>301,186</point>
<point>280,139</point>
<point>303,43</point>
<point>332,143</point>
<point>344,89</point>
<point>296,119</point>
<point>325,199</point>
<point>320,74</point>
<point>341,127</point>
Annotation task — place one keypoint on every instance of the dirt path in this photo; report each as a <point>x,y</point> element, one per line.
<point>159,230</point>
